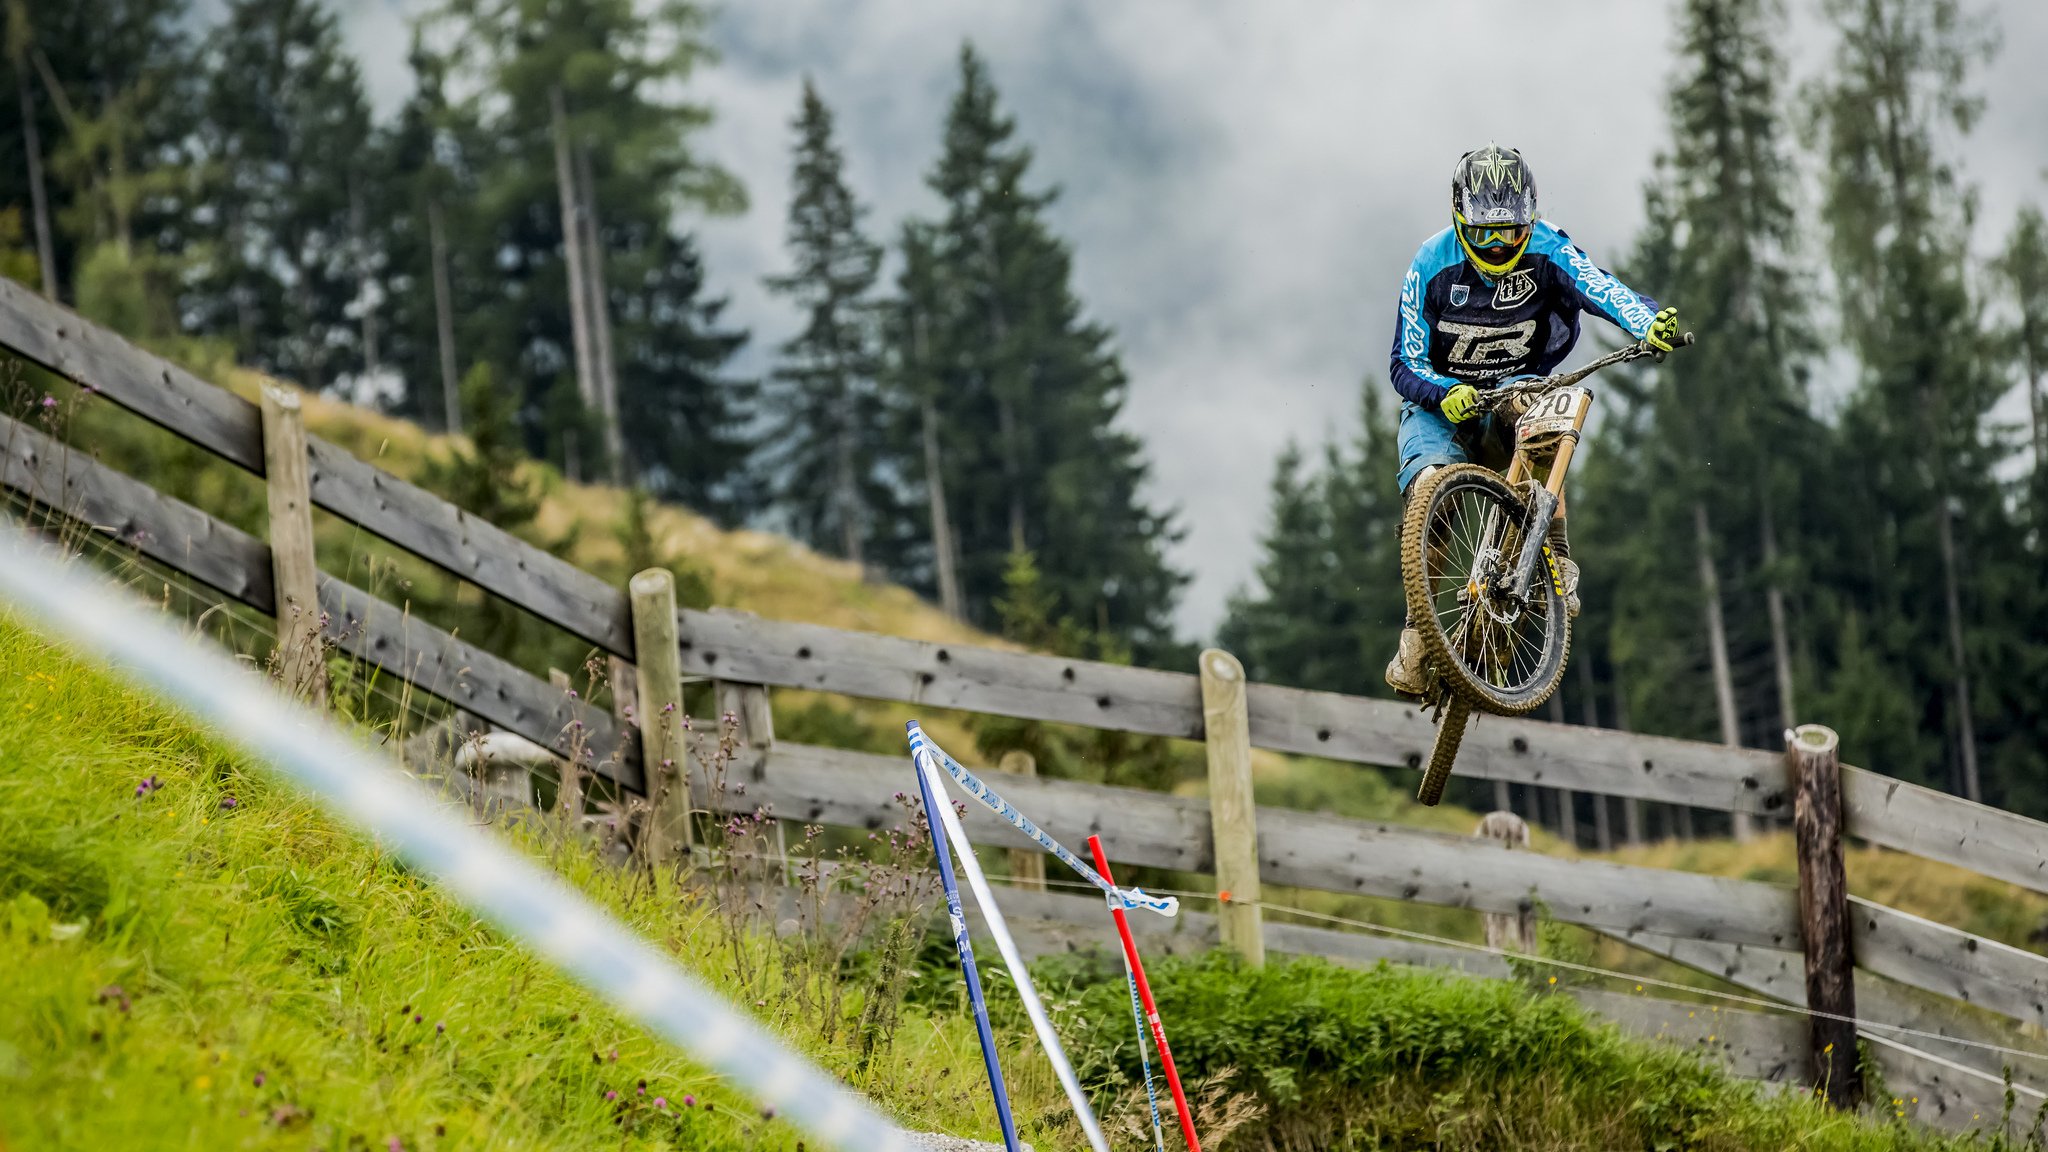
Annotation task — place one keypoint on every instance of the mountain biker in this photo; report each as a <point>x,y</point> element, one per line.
<point>1490,300</point>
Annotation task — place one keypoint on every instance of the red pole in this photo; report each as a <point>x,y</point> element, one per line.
<point>1123,929</point>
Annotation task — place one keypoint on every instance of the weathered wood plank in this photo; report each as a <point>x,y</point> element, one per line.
<point>474,549</point>
<point>231,427</point>
<point>1304,850</point>
<point>1780,975</point>
<point>1935,825</point>
<point>441,665</point>
<point>56,476</point>
<point>1307,850</point>
<point>1924,954</point>
<point>1754,1045</point>
<point>1945,1094</point>
<point>148,385</point>
<point>741,647</point>
<point>857,789</point>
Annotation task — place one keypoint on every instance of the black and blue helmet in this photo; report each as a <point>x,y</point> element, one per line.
<point>1493,206</point>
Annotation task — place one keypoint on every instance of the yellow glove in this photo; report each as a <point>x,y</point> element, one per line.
<point>1663,332</point>
<point>1460,404</point>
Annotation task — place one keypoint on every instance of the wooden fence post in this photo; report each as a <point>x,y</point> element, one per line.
<point>295,573</point>
<point>1027,865</point>
<point>663,753</point>
<point>1233,820</point>
<point>1509,931</point>
<point>1816,779</point>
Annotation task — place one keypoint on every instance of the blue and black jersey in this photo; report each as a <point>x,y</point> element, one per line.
<point>1458,327</point>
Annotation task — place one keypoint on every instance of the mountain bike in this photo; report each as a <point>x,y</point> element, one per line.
<point>1483,589</point>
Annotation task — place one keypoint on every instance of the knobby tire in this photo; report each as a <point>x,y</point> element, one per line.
<point>1432,500</point>
<point>1450,732</point>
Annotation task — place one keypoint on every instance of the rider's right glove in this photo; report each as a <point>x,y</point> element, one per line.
<point>1663,332</point>
<point>1460,404</point>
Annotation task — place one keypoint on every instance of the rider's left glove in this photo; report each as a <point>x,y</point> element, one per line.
<point>1663,333</point>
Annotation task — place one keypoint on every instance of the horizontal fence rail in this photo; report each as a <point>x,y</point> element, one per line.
<point>1026,686</point>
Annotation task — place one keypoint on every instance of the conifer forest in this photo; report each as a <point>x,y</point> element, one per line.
<point>1832,509</point>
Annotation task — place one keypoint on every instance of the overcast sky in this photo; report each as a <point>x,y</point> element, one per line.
<point>1242,183</point>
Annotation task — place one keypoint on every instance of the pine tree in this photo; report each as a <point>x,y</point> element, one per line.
<point>1688,516</point>
<point>828,416</point>
<point>1028,394</point>
<point>1329,603</point>
<point>104,91</point>
<point>1898,217</point>
<point>618,71</point>
<point>286,120</point>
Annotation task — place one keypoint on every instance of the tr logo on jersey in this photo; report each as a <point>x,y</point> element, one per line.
<point>1478,346</point>
<point>1459,294</point>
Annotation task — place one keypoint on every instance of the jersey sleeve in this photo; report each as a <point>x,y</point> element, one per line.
<point>1409,367</point>
<point>1593,288</point>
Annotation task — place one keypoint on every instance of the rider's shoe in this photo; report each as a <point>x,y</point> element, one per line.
<point>1568,572</point>
<point>1405,672</point>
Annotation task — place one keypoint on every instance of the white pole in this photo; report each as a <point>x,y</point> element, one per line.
<point>1011,957</point>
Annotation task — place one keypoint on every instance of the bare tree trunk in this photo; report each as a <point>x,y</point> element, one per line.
<point>600,303</point>
<point>1774,603</point>
<point>39,204</point>
<point>1966,725</point>
<point>572,256</point>
<point>444,319</point>
<point>1631,808</point>
<point>1717,647</point>
<point>1567,805</point>
<point>362,262</point>
<point>1603,834</point>
<point>845,485</point>
<point>942,526</point>
<point>1006,416</point>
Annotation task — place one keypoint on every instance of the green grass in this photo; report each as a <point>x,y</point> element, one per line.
<point>1386,1057</point>
<point>183,974</point>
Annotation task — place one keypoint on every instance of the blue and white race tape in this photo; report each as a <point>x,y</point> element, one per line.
<point>1000,929</point>
<point>972,785</point>
<point>525,901</point>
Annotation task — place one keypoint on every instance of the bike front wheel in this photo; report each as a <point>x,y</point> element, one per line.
<point>1459,541</point>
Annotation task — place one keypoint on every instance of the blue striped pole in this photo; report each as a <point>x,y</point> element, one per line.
<point>992,917</point>
<point>966,949</point>
<point>973,785</point>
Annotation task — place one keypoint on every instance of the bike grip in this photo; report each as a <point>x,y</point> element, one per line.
<point>1686,340</point>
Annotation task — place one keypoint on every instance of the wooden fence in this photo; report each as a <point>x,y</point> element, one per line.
<point>1746,932</point>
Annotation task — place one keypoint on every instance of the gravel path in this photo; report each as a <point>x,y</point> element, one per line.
<point>938,1142</point>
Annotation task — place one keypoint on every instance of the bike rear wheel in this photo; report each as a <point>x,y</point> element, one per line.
<point>1450,732</point>
<point>1459,538</point>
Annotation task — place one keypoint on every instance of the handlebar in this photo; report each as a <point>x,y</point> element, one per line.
<point>1496,397</point>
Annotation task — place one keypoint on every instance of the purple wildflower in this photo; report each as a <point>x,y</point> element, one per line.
<point>228,803</point>
<point>439,1028</point>
<point>392,1143</point>
<point>689,1101</point>
<point>418,1019</point>
<point>767,1112</point>
<point>611,1095</point>
<point>49,401</point>
<point>661,1102</point>
<point>668,707</point>
<point>148,785</point>
<point>259,1079</point>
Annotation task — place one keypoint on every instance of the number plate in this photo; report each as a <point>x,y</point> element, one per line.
<point>1556,413</point>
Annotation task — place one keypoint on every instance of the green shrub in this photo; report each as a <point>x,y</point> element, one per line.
<point>1391,1057</point>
